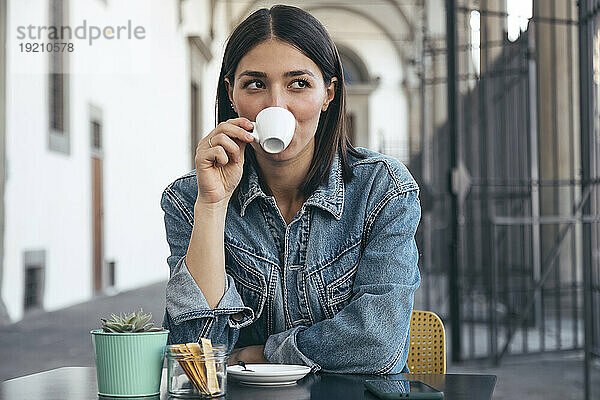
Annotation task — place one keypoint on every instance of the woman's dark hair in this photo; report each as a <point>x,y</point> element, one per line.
<point>303,31</point>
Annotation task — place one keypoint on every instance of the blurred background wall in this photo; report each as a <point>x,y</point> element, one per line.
<point>92,137</point>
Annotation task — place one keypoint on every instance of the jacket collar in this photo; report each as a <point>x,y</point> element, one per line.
<point>328,196</point>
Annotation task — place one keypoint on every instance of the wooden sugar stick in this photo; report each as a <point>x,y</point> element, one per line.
<point>187,367</point>
<point>195,349</point>
<point>211,371</point>
<point>191,370</point>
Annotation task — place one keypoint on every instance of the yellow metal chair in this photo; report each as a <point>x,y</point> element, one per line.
<point>427,352</point>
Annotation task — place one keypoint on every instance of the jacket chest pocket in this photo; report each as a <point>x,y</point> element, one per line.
<point>337,279</point>
<point>250,281</point>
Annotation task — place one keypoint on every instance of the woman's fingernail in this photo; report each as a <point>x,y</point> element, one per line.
<point>249,136</point>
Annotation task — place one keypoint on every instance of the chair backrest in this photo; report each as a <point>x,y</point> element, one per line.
<point>427,352</point>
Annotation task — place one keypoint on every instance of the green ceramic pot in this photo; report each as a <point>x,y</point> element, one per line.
<point>129,364</point>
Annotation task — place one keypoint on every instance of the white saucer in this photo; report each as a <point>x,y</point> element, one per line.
<point>268,374</point>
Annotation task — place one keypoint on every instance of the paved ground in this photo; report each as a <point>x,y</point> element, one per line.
<point>549,377</point>
<point>61,338</point>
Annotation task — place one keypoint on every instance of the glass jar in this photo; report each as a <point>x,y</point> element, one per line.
<point>191,373</point>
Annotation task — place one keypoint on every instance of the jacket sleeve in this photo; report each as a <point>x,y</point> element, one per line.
<point>188,315</point>
<point>371,333</point>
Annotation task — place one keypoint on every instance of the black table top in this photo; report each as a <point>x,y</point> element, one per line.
<point>80,383</point>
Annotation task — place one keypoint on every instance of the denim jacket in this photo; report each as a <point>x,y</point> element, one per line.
<point>332,290</point>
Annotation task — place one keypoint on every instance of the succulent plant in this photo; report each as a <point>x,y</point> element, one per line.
<point>129,323</point>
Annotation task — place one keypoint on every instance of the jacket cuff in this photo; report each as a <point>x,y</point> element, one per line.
<point>281,348</point>
<point>185,300</point>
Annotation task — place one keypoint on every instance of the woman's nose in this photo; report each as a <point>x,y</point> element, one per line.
<point>277,99</point>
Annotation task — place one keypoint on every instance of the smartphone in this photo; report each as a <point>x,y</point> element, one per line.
<point>403,389</point>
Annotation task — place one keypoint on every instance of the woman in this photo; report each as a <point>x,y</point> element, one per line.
<point>303,257</point>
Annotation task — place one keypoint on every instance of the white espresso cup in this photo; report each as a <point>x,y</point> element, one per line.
<point>274,129</point>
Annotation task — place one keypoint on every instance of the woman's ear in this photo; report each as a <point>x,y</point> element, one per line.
<point>330,94</point>
<point>229,88</point>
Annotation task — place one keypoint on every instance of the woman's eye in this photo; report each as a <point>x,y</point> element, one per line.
<point>253,85</point>
<point>300,84</point>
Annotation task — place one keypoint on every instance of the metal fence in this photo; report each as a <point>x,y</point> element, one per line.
<point>509,170</point>
<point>589,59</point>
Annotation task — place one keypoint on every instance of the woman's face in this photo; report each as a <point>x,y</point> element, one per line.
<point>276,74</point>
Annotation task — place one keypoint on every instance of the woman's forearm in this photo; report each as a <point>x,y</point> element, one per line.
<point>205,258</point>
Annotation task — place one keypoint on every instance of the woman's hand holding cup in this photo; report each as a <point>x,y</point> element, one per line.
<point>220,162</point>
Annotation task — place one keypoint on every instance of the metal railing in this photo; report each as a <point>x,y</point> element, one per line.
<point>509,170</point>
